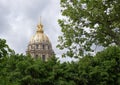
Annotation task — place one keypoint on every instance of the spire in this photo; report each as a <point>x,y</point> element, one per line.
<point>40,27</point>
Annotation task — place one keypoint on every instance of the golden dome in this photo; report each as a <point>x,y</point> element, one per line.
<point>39,37</point>
<point>39,45</point>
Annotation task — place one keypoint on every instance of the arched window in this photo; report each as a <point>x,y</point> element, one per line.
<point>36,56</point>
<point>43,57</point>
<point>29,47</point>
<point>37,46</point>
<point>43,46</point>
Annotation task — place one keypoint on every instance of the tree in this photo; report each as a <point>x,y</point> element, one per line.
<point>101,69</point>
<point>87,24</point>
<point>106,67</point>
<point>4,48</point>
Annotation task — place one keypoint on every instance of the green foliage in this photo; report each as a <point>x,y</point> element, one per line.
<point>101,69</point>
<point>109,65</point>
<point>88,23</point>
<point>4,48</point>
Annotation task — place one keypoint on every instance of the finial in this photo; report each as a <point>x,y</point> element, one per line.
<point>40,19</point>
<point>40,26</point>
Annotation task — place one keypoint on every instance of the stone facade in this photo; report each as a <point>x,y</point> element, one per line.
<point>40,45</point>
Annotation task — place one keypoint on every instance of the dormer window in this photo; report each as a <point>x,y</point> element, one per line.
<point>37,46</point>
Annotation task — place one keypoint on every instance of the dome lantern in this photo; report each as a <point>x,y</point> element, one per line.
<point>40,28</point>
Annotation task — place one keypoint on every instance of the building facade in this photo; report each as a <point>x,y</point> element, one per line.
<point>40,45</point>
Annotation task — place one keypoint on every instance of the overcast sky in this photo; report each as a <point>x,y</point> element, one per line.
<point>19,18</point>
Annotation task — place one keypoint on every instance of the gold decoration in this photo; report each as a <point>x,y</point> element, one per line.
<point>40,27</point>
<point>39,36</point>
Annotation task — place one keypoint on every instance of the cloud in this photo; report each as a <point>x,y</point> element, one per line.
<point>4,12</point>
<point>19,19</point>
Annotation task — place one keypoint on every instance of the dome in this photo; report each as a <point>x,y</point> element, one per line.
<point>39,37</point>
<point>39,45</point>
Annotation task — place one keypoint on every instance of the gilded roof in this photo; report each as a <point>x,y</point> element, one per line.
<point>39,37</point>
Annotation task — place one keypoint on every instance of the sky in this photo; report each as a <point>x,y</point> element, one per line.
<point>19,19</point>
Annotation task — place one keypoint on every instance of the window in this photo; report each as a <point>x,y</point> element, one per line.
<point>43,57</point>
<point>29,47</point>
<point>48,47</point>
<point>36,56</point>
<point>37,46</point>
<point>43,46</point>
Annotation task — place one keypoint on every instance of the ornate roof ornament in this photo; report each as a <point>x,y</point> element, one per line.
<point>40,27</point>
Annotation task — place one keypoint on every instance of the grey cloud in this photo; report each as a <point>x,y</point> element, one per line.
<point>20,17</point>
<point>4,23</point>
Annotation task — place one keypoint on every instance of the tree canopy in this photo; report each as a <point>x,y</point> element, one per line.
<point>101,69</point>
<point>87,24</point>
<point>4,48</point>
